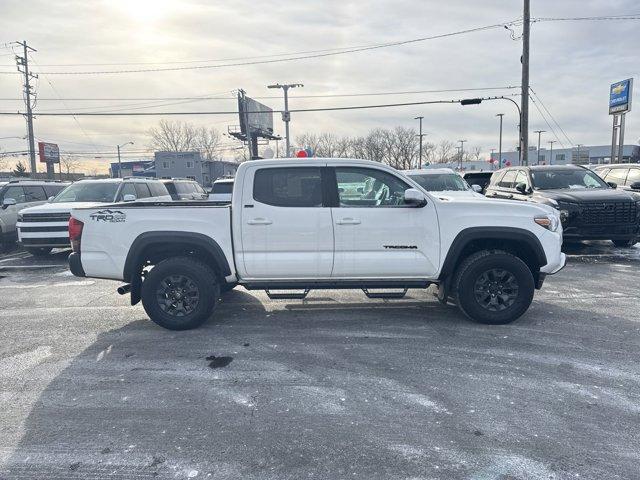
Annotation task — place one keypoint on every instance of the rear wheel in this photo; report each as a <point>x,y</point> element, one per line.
<point>494,287</point>
<point>180,293</point>
<point>626,243</point>
<point>39,251</point>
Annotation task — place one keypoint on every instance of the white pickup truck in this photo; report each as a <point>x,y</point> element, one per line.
<point>302,224</point>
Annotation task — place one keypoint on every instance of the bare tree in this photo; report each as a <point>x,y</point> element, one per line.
<point>444,151</point>
<point>176,136</point>
<point>207,142</point>
<point>475,153</point>
<point>69,164</point>
<point>3,161</point>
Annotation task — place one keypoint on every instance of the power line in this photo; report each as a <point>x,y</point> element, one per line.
<point>265,97</point>
<point>535,104</point>
<point>233,112</point>
<point>551,116</point>
<point>292,58</point>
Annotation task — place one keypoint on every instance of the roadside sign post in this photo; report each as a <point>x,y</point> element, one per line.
<point>620,96</point>
<point>49,153</point>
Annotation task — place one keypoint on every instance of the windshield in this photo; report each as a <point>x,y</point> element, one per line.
<point>566,179</point>
<point>88,192</point>
<point>441,182</point>
<point>222,187</point>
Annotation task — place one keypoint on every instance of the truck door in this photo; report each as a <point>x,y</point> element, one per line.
<point>287,233</point>
<point>376,234</point>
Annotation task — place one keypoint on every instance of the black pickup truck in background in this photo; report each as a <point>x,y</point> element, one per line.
<point>590,208</point>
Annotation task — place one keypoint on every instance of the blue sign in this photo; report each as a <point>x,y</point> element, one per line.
<point>620,95</point>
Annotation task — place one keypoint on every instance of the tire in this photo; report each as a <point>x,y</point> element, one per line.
<point>509,287</point>
<point>39,251</point>
<point>626,243</point>
<point>194,287</point>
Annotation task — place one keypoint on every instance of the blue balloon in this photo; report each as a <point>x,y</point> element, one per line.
<point>309,152</point>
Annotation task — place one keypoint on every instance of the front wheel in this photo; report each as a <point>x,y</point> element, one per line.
<point>39,251</point>
<point>180,293</point>
<point>626,243</point>
<point>494,287</point>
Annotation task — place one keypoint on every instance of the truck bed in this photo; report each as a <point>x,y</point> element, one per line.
<point>110,230</point>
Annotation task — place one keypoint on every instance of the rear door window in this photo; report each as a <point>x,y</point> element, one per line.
<point>288,187</point>
<point>158,189</point>
<point>34,193</point>
<point>617,175</point>
<point>127,189</point>
<point>53,190</point>
<point>495,178</point>
<point>142,191</point>
<point>508,180</point>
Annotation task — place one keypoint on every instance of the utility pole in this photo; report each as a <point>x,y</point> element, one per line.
<point>578,154</point>
<point>420,135</point>
<point>539,132</point>
<point>461,152</point>
<point>524,121</point>
<point>23,62</point>
<point>551,142</point>
<point>500,141</point>
<point>286,116</point>
<point>119,162</point>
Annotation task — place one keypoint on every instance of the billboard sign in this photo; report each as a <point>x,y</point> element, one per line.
<point>48,152</point>
<point>620,95</point>
<point>255,117</point>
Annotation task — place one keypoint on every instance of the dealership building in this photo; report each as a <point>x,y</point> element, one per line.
<point>177,165</point>
<point>583,155</point>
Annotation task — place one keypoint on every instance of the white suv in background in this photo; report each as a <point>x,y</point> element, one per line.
<point>16,195</point>
<point>45,227</point>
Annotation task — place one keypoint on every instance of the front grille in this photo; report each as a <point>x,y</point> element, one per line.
<point>45,241</point>
<point>63,228</point>
<point>609,213</point>
<point>45,217</point>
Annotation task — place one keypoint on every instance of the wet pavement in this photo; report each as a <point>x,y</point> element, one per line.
<point>335,386</point>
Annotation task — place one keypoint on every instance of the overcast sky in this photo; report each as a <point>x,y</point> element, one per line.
<point>572,65</point>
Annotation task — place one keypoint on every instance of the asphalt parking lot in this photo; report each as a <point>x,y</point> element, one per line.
<point>336,386</point>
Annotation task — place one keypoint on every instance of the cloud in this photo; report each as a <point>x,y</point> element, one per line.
<point>572,63</point>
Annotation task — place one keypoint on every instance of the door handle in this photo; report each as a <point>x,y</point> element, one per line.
<point>348,221</point>
<point>259,221</point>
<point>510,195</point>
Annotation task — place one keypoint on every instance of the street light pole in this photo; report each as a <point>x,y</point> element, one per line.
<point>524,101</point>
<point>420,136</point>
<point>539,132</point>
<point>500,141</point>
<point>461,152</point>
<point>286,116</point>
<point>119,162</point>
<point>551,142</point>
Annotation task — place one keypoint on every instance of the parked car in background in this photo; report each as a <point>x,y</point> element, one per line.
<point>15,196</point>
<point>45,227</point>
<point>185,189</point>
<point>478,178</point>
<point>625,175</point>
<point>590,209</point>
<point>221,190</point>
<point>443,180</point>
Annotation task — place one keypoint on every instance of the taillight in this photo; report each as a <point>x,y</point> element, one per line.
<point>75,233</point>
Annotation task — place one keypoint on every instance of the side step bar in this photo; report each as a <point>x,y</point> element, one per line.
<point>385,294</point>
<point>287,296</point>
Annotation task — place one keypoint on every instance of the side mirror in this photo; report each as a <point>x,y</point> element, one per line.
<point>612,184</point>
<point>7,202</point>
<point>414,197</point>
<point>522,188</point>
<point>635,186</point>
<point>129,198</point>
<point>50,198</point>
<point>476,188</point>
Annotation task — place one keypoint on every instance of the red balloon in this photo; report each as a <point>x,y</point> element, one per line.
<point>301,154</point>
<point>508,164</point>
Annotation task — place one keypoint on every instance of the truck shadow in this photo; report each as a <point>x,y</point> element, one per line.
<point>317,391</point>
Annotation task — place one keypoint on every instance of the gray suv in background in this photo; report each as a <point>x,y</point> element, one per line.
<point>16,195</point>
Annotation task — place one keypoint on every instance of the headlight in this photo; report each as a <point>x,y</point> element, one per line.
<point>550,222</point>
<point>19,217</point>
